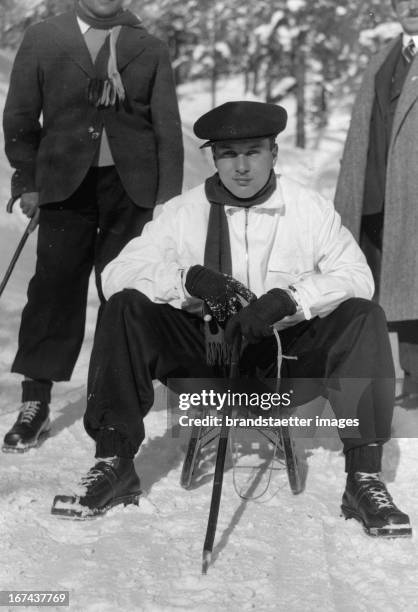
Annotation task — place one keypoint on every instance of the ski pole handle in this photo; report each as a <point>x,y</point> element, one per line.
<point>10,203</point>
<point>33,222</point>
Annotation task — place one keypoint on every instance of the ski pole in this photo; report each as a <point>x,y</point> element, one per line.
<point>29,229</point>
<point>219,467</point>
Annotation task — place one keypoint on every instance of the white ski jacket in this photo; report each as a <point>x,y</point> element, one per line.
<point>294,239</point>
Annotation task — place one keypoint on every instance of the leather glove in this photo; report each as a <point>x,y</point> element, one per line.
<point>255,321</point>
<point>220,291</point>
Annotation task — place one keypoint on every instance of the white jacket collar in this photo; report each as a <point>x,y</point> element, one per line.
<point>275,203</point>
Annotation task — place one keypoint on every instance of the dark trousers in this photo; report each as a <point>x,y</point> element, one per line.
<point>139,341</point>
<point>371,237</point>
<point>85,231</point>
<point>408,352</point>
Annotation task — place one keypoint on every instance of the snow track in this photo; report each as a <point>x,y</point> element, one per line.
<point>281,552</point>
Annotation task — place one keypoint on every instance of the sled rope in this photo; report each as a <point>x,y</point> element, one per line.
<point>234,468</point>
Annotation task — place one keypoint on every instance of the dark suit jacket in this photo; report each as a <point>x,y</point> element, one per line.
<point>50,77</point>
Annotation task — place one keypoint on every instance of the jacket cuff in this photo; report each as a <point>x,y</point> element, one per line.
<point>181,283</point>
<point>23,181</point>
<point>302,304</point>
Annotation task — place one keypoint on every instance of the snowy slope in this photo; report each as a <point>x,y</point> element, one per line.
<point>280,552</point>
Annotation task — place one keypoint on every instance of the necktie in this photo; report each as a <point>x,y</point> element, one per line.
<point>409,51</point>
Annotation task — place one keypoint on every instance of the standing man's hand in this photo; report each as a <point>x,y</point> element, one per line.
<point>29,203</point>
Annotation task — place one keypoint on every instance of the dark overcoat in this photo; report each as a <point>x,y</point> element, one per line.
<point>399,273</point>
<point>50,77</point>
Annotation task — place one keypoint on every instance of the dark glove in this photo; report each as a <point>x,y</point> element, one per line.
<point>255,321</point>
<point>219,291</point>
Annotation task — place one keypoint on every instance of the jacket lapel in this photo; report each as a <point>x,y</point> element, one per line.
<point>384,75</point>
<point>408,97</point>
<point>130,44</point>
<point>68,36</point>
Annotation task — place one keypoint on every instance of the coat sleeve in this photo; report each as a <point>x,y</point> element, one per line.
<point>341,270</point>
<point>150,263</point>
<point>167,129</point>
<point>22,111</point>
<point>350,184</point>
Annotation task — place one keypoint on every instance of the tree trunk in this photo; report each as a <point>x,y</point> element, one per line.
<point>214,73</point>
<point>300,74</point>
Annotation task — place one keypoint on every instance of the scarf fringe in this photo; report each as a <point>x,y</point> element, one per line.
<point>112,67</point>
<point>110,91</point>
<point>104,93</point>
<point>218,352</point>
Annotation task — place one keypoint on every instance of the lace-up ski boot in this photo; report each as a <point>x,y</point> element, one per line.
<point>110,482</point>
<point>31,426</point>
<point>367,499</point>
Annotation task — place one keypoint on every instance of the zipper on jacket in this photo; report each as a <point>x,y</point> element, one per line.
<point>247,257</point>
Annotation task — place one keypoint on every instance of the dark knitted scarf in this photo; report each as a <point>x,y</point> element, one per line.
<point>122,18</point>
<point>218,252</point>
<point>217,247</point>
<point>107,88</point>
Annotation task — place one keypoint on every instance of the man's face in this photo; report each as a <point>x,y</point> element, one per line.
<point>244,166</point>
<point>407,13</point>
<point>102,8</point>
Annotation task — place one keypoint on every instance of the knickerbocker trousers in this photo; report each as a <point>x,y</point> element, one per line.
<point>85,231</point>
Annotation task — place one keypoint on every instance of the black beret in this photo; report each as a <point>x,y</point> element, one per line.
<point>241,120</point>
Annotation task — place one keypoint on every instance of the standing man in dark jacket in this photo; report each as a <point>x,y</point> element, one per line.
<point>108,149</point>
<point>378,184</point>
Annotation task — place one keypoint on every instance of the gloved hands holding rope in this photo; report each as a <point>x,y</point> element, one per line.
<point>255,321</point>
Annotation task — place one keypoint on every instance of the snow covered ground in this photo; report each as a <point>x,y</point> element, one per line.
<point>279,552</point>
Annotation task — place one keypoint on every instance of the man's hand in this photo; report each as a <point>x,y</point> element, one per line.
<point>221,292</point>
<point>29,203</point>
<point>255,321</point>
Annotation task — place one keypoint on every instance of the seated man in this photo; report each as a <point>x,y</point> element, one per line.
<point>245,232</point>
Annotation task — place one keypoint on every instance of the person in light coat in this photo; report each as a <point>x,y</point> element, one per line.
<point>273,263</point>
<point>378,184</point>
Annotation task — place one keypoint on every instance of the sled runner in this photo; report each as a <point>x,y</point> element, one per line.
<point>284,450</point>
<point>280,438</point>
